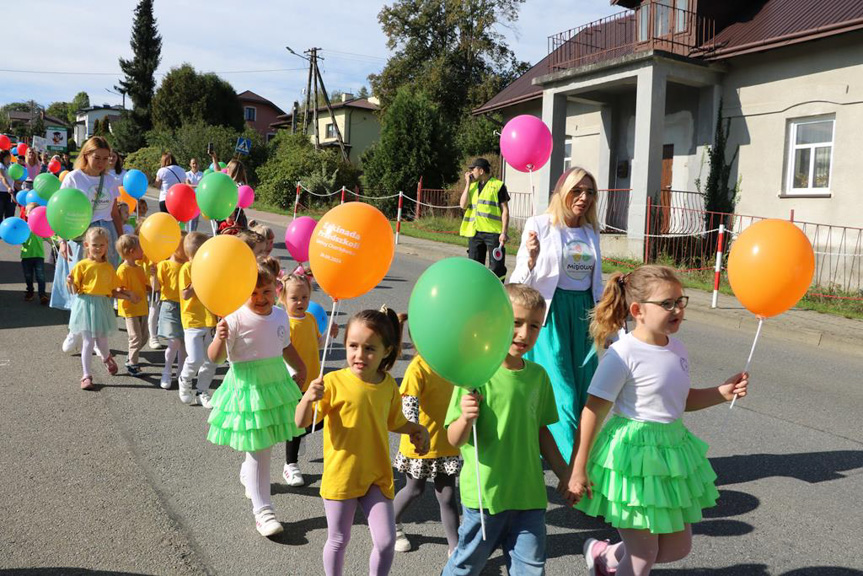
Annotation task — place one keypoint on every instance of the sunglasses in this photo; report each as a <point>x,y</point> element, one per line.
<point>669,305</point>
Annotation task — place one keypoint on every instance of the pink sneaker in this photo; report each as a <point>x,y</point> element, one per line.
<point>593,550</point>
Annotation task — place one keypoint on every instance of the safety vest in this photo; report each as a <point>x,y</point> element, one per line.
<point>483,214</point>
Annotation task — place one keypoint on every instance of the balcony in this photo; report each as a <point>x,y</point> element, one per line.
<point>653,26</point>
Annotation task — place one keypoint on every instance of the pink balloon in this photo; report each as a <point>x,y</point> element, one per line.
<point>246,196</point>
<point>525,143</point>
<point>298,236</point>
<point>224,170</point>
<point>38,222</point>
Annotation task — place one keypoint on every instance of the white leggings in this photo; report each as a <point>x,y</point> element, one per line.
<point>639,550</point>
<point>255,475</point>
<point>197,362</point>
<point>176,350</point>
<point>88,344</point>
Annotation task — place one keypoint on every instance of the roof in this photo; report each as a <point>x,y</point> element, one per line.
<point>117,107</point>
<point>361,103</point>
<point>25,117</point>
<point>249,96</point>
<point>519,90</point>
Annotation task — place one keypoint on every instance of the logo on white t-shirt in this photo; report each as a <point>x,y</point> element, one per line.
<point>578,259</point>
<point>684,363</point>
<point>281,333</point>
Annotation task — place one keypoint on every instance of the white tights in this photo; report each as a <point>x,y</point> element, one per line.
<point>88,344</point>
<point>174,350</point>
<point>255,475</point>
<point>639,550</point>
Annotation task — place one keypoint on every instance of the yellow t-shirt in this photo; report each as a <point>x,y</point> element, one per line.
<point>168,275</point>
<point>134,279</point>
<point>94,278</point>
<point>359,416</point>
<point>304,337</point>
<point>434,395</point>
<point>193,313</point>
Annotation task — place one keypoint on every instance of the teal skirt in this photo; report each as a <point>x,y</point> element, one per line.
<point>649,476</point>
<point>93,316</point>
<point>562,347</point>
<point>254,407</point>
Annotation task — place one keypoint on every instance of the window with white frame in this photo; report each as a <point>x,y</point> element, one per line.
<point>331,130</point>
<point>567,153</point>
<point>810,155</point>
<point>250,113</point>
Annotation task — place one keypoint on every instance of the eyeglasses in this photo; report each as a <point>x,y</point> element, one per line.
<point>99,158</point>
<point>578,192</point>
<point>669,305</point>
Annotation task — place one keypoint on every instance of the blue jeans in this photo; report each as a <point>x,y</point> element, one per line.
<point>34,267</point>
<point>519,533</point>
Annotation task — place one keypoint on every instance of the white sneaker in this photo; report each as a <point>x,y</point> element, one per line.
<point>165,384</point>
<point>71,344</point>
<point>155,344</point>
<point>292,475</point>
<point>187,392</point>
<point>402,542</point>
<point>266,523</point>
<point>205,400</point>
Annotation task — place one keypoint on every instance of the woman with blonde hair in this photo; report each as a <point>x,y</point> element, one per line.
<point>559,256</point>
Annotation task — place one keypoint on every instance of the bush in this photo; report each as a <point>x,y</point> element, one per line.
<point>146,160</point>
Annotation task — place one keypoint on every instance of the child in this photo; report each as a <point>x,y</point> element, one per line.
<point>33,263</point>
<point>198,324</point>
<point>167,279</point>
<point>425,398</point>
<point>512,412</point>
<point>361,403</point>
<point>123,208</point>
<point>133,278</point>
<point>252,407</point>
<point>266,232</point>
<point>294,297</point>
<point>256,242</point>
<point>94,281</point>
<point>644,380</point>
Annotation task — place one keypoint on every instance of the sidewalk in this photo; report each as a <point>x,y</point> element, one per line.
<point>804,326</point>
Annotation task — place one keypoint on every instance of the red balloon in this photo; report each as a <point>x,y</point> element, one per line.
<point>5,143</point>
<point>22,149</point>
<point>54,166</point>
<point>182,203</point>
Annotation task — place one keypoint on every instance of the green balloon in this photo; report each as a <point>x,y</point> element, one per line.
<point>69,213</point>
<point>217,196</point>
<point>461,321</point>
<point>16,171</point>
<point>208,171</point>
<point>45,185</point>
<point>222,165</point>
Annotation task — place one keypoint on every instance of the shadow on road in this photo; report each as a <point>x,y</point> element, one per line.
<point>812,467</point>
<point>66,571</point>
<point>16,313</point>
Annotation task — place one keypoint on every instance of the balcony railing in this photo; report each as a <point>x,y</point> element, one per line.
<point>654,26</point>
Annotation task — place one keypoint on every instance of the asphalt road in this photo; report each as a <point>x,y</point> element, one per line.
<point>122,480</point>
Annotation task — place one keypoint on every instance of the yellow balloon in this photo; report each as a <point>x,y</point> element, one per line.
<point>224,274</point>
<point>160,236</point>
<point>63,175</point>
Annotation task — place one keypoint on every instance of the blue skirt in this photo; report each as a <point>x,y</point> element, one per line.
<point>170,325</point>
<point>60,296</point>
<point>92,316</point>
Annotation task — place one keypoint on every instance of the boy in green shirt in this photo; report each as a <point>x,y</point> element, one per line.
<point>33,263</point>
<point>512,412</point>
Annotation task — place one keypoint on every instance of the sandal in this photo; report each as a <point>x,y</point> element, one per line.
<point>110,365</point>
<point>87,383</point>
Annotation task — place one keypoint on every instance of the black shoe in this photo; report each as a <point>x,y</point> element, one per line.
<point>133,369</point>
<point>29,295</point>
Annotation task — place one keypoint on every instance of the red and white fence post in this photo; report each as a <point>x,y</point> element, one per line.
<point>399,216</point>
<point>343,194</point>
<point>296,200</point>
<point>717,271</point>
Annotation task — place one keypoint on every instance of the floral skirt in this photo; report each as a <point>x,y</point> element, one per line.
<point>428,468</point>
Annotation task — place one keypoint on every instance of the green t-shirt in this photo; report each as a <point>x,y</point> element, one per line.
<point>515,405</point>
<point>33,247</point>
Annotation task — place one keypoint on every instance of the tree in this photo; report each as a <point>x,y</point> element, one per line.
<point>97,127</point>
<point>17,107</point>
<point>139,82</point>
<point>79,102</point>
<point>187,96</point>
<point>37,126</point>
<point>59,110</point>
<point>126,137</point>
<point>363,93</point>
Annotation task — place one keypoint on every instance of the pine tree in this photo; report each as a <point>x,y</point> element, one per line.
<point>140,82</point>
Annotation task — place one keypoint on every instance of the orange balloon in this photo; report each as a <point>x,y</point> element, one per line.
<point>160,236</point>
<point>351,250</point>
<point>224,274</point>
<point>128,200</point>
<point>770,267</point>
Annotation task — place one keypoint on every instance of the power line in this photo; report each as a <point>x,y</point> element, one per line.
<point>355,54</point>
<point>69,73</point>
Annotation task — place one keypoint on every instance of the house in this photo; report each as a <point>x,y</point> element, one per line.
<point>259,113</point>
<point>356,118</point>
<point>85,120</point>
<point>18,118</point>
<point>634,98</point>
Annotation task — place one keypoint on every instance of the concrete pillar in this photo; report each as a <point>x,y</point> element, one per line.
<point>647,157</point>
<point>603,171</point>
<point>544,179</point>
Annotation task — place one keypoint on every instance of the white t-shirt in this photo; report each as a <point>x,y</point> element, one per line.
<point>646,383</point>
<point>194,177</point>
<point>255,337</point>
<point>5,172</point>
<point>89,185</point>
<point>577,260</point>
<point>169,175</point>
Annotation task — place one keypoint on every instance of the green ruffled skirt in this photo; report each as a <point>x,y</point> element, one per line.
<point>254,407</point>
<point>649,476</point>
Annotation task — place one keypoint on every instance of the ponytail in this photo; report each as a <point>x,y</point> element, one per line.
<point>386,324</point>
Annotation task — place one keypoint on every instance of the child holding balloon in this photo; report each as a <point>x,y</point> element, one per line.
<point>643,380</point>
<point>252,407</point>
<point>166,280</point>
<point>133,277</point>
<point>33,263</point>
<point>361,403</point>
<point>95,282</point>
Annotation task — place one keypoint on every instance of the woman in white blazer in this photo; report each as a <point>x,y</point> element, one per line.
<point>559,256</point>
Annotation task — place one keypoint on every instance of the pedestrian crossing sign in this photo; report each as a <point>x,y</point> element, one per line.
<point>244,145</point>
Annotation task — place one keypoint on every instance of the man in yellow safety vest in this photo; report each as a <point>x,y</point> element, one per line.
<point>485,202</point>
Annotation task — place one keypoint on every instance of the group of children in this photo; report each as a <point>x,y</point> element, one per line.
<point>644,472</point>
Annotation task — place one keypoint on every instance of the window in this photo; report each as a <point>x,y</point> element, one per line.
<point>249,113</point>
<point>567,153</point>
<point>331,131</point>
<point>270,136</point>
<point>810,156</point>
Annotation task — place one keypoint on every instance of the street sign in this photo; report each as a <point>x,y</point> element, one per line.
<point>244,145</point>
<point>40,144</point>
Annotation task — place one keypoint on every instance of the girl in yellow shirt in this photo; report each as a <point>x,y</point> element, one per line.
<point>361,404</point>
<point>95,282</point>
<point>166,279</point>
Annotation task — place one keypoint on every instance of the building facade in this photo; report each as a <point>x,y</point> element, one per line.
<point>259,113</point>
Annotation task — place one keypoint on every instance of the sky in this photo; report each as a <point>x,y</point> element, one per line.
<point>243,42</point>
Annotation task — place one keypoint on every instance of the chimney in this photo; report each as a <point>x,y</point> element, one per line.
<point>347,96</point>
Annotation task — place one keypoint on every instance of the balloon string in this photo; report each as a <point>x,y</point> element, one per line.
<point>530,176</point>
<point>751,353</point>
<point>478,488</point>
<point>324,355</point>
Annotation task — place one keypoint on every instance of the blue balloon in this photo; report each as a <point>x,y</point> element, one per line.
<point>14,230</point>
<point>320,315</point>
<point>23,175</point>
<point>15,151</point>
<point>135,183</point>
<point>21,197</point>
<point>32,196</point>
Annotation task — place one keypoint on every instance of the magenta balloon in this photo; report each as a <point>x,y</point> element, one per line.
<point>298,236</point>
<point>525,143</point>
<point>245,196</point>
<point>38,222</point>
